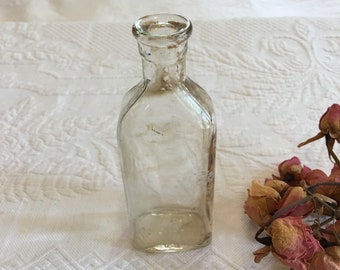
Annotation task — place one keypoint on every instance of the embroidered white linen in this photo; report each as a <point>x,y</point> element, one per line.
<point>61,84</point>
<point>129,10</point>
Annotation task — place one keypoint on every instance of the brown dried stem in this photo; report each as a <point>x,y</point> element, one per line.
<point>312,139</point>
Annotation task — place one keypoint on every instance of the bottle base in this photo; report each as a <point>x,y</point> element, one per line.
<point>170,230</point>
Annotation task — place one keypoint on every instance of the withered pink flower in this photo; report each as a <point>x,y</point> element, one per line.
<point>292,195</point>
<point>329,259</point>
<point>261,202</point>
<point>292,171</point>
<point>330,122</point>
<point>293,242</point>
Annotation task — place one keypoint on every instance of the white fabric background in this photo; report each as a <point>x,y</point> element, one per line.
<point>61,195</point>
<point>129,10</point>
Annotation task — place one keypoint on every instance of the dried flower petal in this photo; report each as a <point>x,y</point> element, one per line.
<point>315,177</point>
<point>258,190</point>
<point>293,242</point>
<point>261,202</point>
<point>332,228</point>
<point>292,195</point>
<point>335,174</point>
<point>334,191</point>
<point>278,185</point>
<point>329,259</point>
<point>330,122</point>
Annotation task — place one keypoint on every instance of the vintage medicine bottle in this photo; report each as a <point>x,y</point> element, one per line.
<point>167,139</point>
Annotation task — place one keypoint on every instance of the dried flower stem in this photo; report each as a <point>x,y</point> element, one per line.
<point>331,152</point>
<point>322,201</point>
<point>312,139</point>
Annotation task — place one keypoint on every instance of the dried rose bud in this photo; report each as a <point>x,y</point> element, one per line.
<point>261,202</point>
<point>292,171</point>
<point>330,122</point>
<point>293,242</point>
<point>293,194</point>
<point>329,259</point>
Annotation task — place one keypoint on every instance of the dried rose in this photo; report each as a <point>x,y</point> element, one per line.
<point>293,242</point>
<point>292,195</point>
<point>329,126</point>
<point>329,259</point>
<point>292,171</point>
<point>261,202</point>
<point>330,122</point>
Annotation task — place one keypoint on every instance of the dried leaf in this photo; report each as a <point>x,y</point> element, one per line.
<point>325,199</point>
<point>261,253</point>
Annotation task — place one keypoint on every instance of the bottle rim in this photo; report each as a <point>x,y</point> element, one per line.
<point>163,26</point>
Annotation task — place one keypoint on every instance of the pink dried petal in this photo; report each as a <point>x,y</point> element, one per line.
<point>258,190</point>
<point>261,202</point>
<point>315,176</point>
<point>292,195</point>
<point>329,259</point>
<point>278,185</point>
<point>335,174</point>
<point>333,228</point>
<point>257,210</point>
<point>293,242</point>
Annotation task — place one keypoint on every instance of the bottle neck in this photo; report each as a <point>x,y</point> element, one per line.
<point>162,41</point>
<point>164,66</point>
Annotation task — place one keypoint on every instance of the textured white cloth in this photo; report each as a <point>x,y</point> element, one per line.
<point>129,10</point>
<point>62,199</point>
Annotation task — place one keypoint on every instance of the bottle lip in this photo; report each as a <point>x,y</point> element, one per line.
<point>165,26</point>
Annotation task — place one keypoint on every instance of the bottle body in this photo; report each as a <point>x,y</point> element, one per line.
<point>166,137</point>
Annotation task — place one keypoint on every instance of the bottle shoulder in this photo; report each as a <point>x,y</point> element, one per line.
<point>200,95</point>
<point>186,100</point>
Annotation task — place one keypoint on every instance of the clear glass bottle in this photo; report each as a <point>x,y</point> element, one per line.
<point>166,136</point>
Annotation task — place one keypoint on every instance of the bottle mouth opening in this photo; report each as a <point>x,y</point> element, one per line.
<point>162,26</point>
